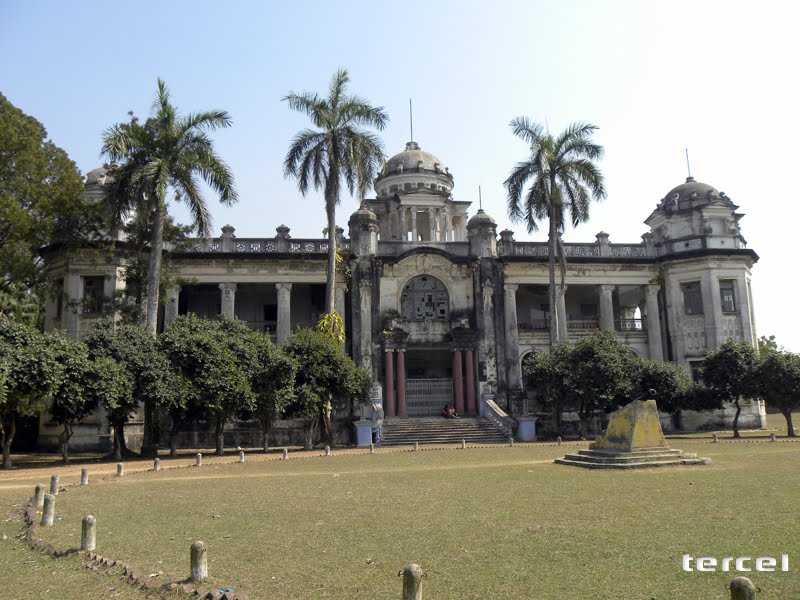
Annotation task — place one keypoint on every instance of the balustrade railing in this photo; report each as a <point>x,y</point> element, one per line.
<point>262,246</point>
<point>578,250</point>
<point>631,325</point>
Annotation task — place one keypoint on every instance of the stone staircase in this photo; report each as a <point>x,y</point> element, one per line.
<point>634,459</point>
<point>438,430</point>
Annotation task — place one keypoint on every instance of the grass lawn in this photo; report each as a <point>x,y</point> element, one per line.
<point>483,523</point>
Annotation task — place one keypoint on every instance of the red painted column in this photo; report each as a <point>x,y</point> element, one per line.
<point>388,404</point>
<point>458,382</point>
<point>401,382</point>
<point>469,383</point>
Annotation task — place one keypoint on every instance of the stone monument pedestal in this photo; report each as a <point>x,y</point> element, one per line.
<point>632,440</point>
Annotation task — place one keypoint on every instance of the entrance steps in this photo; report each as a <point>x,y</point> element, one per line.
<point>634,459</point>
<point>438,430</point>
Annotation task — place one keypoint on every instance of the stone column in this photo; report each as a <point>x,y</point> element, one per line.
<point>458,382</point>
<point>653,323</point>
<point>744,309</point>
<point>712,309</point>
<point>171,305</point>
<point>432,223</point>
<point>284,326</point>
<point>389,405</point>
<point>364,326</point>
<point>512,336</point>
<point>606,307</point>
<point>228,304</point>
<point>70,313</point>
<point>401,382</point>
<point>561,314</point>
<point>403,229</point>
<point>445,225</point>
<point>341,289</point>
<point>469,383</point>
<point>413,224</point>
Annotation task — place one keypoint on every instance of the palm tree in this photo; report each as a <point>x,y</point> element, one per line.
<point>337,150</point>
<point>165,155</point>
<point>560,177</point>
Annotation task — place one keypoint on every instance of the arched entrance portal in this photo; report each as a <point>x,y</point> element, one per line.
<point>429,383</point>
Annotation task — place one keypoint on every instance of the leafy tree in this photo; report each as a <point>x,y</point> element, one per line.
<point>165,154</point>
<point>560,176</point>
<point>547,374</point>
<point>778,381</point>
<point>669,382</point>
<point>326,379</point>
<point>28,377</point>
<point>767,344</point>
<point>337,151</point>
<point>84,384</point>
<point>272,383</point>
<point>215,367</point>
<point>41,203</point>
<point>600,375</point>
<point>730,372</point>
<point>153,381</point>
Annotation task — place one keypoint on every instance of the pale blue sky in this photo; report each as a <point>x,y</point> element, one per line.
<point>720,78</point>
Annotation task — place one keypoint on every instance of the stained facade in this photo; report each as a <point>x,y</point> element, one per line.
<point>440,306</point>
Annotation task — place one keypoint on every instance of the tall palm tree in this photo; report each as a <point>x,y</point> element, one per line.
<point>164,155</point>
<point>559,177</point>
<point>337,151</point>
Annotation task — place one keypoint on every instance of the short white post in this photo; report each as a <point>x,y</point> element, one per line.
<point>412,582</point>
<point>714,438</point>
<point>371,448</point>
<point>120,469</point>
<point>511,441</point>
<point>54,485</point>
<point>327,450</point>
<point>463,444</point>
<point>742,589</point>
<point>38,496</point>
<point>199,562</point>
<point>88,533</point>
<point>416,446</point>
<point>198,459</point>
<point>49,512</point>
<point>84,476</point>
<point>156,464</point>
<point>772,437</point>
<point>558,440</point>
<point>285,453</point>
<point>241,456</point>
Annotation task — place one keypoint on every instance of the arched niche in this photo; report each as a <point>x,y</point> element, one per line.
<point>425,298</point>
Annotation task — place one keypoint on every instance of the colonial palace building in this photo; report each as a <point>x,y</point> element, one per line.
<point>439,306</point>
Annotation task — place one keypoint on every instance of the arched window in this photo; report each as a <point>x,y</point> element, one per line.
<point>425,298</point>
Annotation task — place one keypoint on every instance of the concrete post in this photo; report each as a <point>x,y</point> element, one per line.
<point>84,476</point>
<point>416,446</point>
<point>285,454</point>
<point>401,382</point>
<point>120,469</point>
<point>54,485</point>
<point>607,307</point>
<point>653,323</point>
<point>38,496</point>
<point>228,300</point>
<point>88,533</point>
<point>199,562</point>
<point>412,582</point>
<point>327,451</point>
<point>284,327</point>
<point>241,456</point>
<point>171,305</point>
<point>198,459</point>
<point>742,589</point>
<point>512,336</point>
<point>463,444</point>
<point>156,464</point>
<point>49,511</point>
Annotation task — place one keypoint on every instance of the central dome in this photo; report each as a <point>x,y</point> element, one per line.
<point>691,190</point>
<point>411,159</point>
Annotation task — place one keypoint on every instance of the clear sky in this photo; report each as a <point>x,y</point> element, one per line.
<point>718,77</point>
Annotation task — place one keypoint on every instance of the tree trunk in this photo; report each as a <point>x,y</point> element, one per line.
<point>66,435</point>
<point>119,441</point>
<point>173,436</point>
<point>736,420</point>
<point>9,430</point>
<point>220,435</point>
<point>151,313</point>
<point>551,272</point>
<point>310,431</point>
<point>787,414</point>
<point>330,290</point>
<point>266,425</point>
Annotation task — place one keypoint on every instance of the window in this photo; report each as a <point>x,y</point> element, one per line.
<point>696,370</point>
<point>728,294</point>
<point>588,311</point>
<point>692,298</point>
<point>93,294</point>
<point>425,298</point>
<point>407,186</point>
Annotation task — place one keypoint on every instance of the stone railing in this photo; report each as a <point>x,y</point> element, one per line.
<point>578,250</point>
<point>398,247</point>
<point>261,246</point>
<point>492,411</point>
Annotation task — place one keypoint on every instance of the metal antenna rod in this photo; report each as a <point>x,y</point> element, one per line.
<point>688,167</point>
<point>480,198</point>
<point>411,119</point>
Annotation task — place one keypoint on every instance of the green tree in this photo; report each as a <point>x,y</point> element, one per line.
<point>767,344</point>
<point>272,383</point>
<point>84,384</point>
<point>28,377</point>
<point>41,203</point>
<point>153,381</point>
<point>547,375</point>
<point>326,379</point>
<point>217,365</point>
<point>669,382</point>
<point>600,375</point>
<point>778,381</point>
<point>164,155</point>
<point>730,372</point>
<point>337,151</point>
<point>559,176</point>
